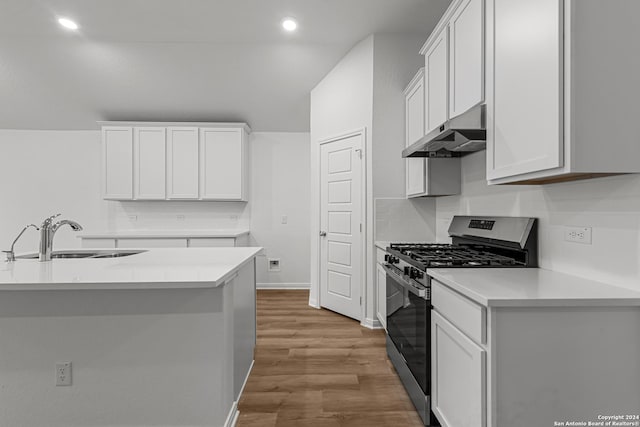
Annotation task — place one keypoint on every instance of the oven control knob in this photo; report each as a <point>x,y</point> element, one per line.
<point>406,271</point>
<point>386,257</point>
<point>419,274</point>
<point>393,260</point>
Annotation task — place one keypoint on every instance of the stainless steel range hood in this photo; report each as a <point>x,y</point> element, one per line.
<point>458,136</point>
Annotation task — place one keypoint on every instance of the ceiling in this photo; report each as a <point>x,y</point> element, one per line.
<point>189,60</point>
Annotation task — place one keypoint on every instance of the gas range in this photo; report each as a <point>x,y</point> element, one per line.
<point>477,242</point>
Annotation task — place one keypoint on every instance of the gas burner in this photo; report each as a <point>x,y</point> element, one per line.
<point>430,255</point>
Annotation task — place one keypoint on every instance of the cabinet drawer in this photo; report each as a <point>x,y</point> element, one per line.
<point>152,243</point>
<point>465,314</point>
<point>380,255</point>
<point>211,242</point>
<point>99,243</point>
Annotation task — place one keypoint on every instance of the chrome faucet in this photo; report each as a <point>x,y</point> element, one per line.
<point>11,256</point>
<point>48,230</point>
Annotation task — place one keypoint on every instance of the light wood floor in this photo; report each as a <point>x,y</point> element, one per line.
<point>317,368</point>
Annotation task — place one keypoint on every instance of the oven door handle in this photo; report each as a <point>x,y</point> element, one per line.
<point>421,292</point>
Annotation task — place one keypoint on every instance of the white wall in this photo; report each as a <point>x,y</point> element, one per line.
<point>341,103</point>
<point>365,90</point>
<point>46,172</point>
<point>396,59</point>
<point>611,206</point>
<point>280,187</point>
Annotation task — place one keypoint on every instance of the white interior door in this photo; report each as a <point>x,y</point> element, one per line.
<point>340,225</point>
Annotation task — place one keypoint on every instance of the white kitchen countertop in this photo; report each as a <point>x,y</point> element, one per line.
<point>150,234</point>
<point>532,287</point>
<point>153,269</point>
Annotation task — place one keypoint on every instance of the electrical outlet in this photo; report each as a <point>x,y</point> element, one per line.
<point>133,218</point>
<point>274,264</point>
<point>63,373</point>
<point>284,219</point>
<point>180,217</point>
<point>233,217</point>
<point>578,235</point>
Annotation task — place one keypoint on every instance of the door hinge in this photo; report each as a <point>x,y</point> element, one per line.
<point>360,300</point>
<point>359,152</point>
<point>361,227</point>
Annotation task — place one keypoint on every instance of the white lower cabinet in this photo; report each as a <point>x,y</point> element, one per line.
<point>381,303</point>
<point>459,376</point>
<point>538,363</point>
<point>164,242</point>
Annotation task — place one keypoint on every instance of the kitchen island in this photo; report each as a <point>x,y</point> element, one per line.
<point>163,337</point>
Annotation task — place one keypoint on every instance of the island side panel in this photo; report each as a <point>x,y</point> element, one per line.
<point>564,364</point>
<point>139,357</point>
<point>244,302</point>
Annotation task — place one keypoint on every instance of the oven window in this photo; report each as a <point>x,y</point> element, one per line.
<point>408,326</point>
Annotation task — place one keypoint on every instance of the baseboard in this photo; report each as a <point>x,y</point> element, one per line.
<point>371,323</point>
<point>283,285</point>
<point>232,418</point>
<point>234,414</point>
<point>313,302</point>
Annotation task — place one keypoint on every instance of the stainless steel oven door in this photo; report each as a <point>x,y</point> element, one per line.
<point>409,325</point>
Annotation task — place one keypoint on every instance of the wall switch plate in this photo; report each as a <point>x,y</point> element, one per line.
<point>274,264</point>
<point>63,373</point>
<point>578,235</point>
<point>133,218</point>
<point>284,219</point>
<point>180,217</point>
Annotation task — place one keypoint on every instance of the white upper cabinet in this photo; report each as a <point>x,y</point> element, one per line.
<point>182,163</point>
<point>559,96</point>
<point>222,164</point>
<point>527,88</point>
<point>466,57</point>
<point>436,77</point>
<point>425,176</point>
<point>149,169</point>
<point>414,130</point>
<point>117,162</point>
<point>454,63</point>
<point>173,161</point>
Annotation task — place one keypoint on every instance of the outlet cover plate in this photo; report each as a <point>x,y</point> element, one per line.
<point>578,235</point>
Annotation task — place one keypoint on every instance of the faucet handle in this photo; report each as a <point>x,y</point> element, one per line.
<point>10,256</point>
<point>50,219</point>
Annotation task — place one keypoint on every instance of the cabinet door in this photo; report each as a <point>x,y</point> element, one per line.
<point>117,162</point>
<point>182,163</point>
<point>381,286</point>
<point>458,376</point>
<point>222,164</point>
<point>414,130</point>
<point>466,57</point>
<point>436,82</point>
<point>149,164</point>
<point>524,96</point>
<point>152,243</point>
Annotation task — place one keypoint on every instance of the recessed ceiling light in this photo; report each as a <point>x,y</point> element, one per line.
<point>68,23</point>
<point>289,24</point>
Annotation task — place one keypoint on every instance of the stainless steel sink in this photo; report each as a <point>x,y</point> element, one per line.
<point>83,254</point>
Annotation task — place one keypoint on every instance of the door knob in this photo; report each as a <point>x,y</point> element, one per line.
<point>323,234</point>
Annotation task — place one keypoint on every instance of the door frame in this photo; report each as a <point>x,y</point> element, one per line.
<point>316,213</point>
